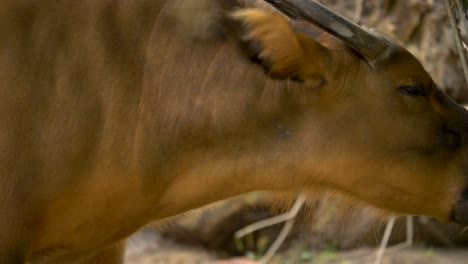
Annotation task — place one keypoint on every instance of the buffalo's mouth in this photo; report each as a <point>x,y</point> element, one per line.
<point>460,211</point>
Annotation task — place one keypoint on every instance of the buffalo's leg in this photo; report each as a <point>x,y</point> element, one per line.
<point>272,41</point>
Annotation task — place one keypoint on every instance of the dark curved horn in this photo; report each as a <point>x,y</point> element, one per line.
<point>366,43</point>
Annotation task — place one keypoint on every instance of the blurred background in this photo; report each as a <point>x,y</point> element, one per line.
<point>328,228</point>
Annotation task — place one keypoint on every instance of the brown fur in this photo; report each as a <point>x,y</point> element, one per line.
<point>110,119</point>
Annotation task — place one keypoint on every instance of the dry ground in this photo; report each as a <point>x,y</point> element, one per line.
<point>148,247</point>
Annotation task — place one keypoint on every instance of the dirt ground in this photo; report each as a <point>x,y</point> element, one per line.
<point>149,247</point>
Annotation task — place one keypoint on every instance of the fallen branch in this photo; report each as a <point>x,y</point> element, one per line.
<point>383,249</point>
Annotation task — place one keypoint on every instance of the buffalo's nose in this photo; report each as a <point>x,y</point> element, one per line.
<point>460,212</point>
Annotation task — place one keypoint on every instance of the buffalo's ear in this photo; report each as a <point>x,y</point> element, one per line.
<point>270,40</point>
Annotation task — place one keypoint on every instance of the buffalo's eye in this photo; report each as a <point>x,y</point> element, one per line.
<point>412,90</point>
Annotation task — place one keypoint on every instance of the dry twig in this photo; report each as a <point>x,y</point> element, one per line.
<point>458,39</point>
<point>358,10</point>
<point>287,217</point>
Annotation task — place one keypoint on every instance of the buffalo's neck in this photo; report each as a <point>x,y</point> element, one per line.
<point>239,154</point>
<point>211,120</point>
<point>210,124</point>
